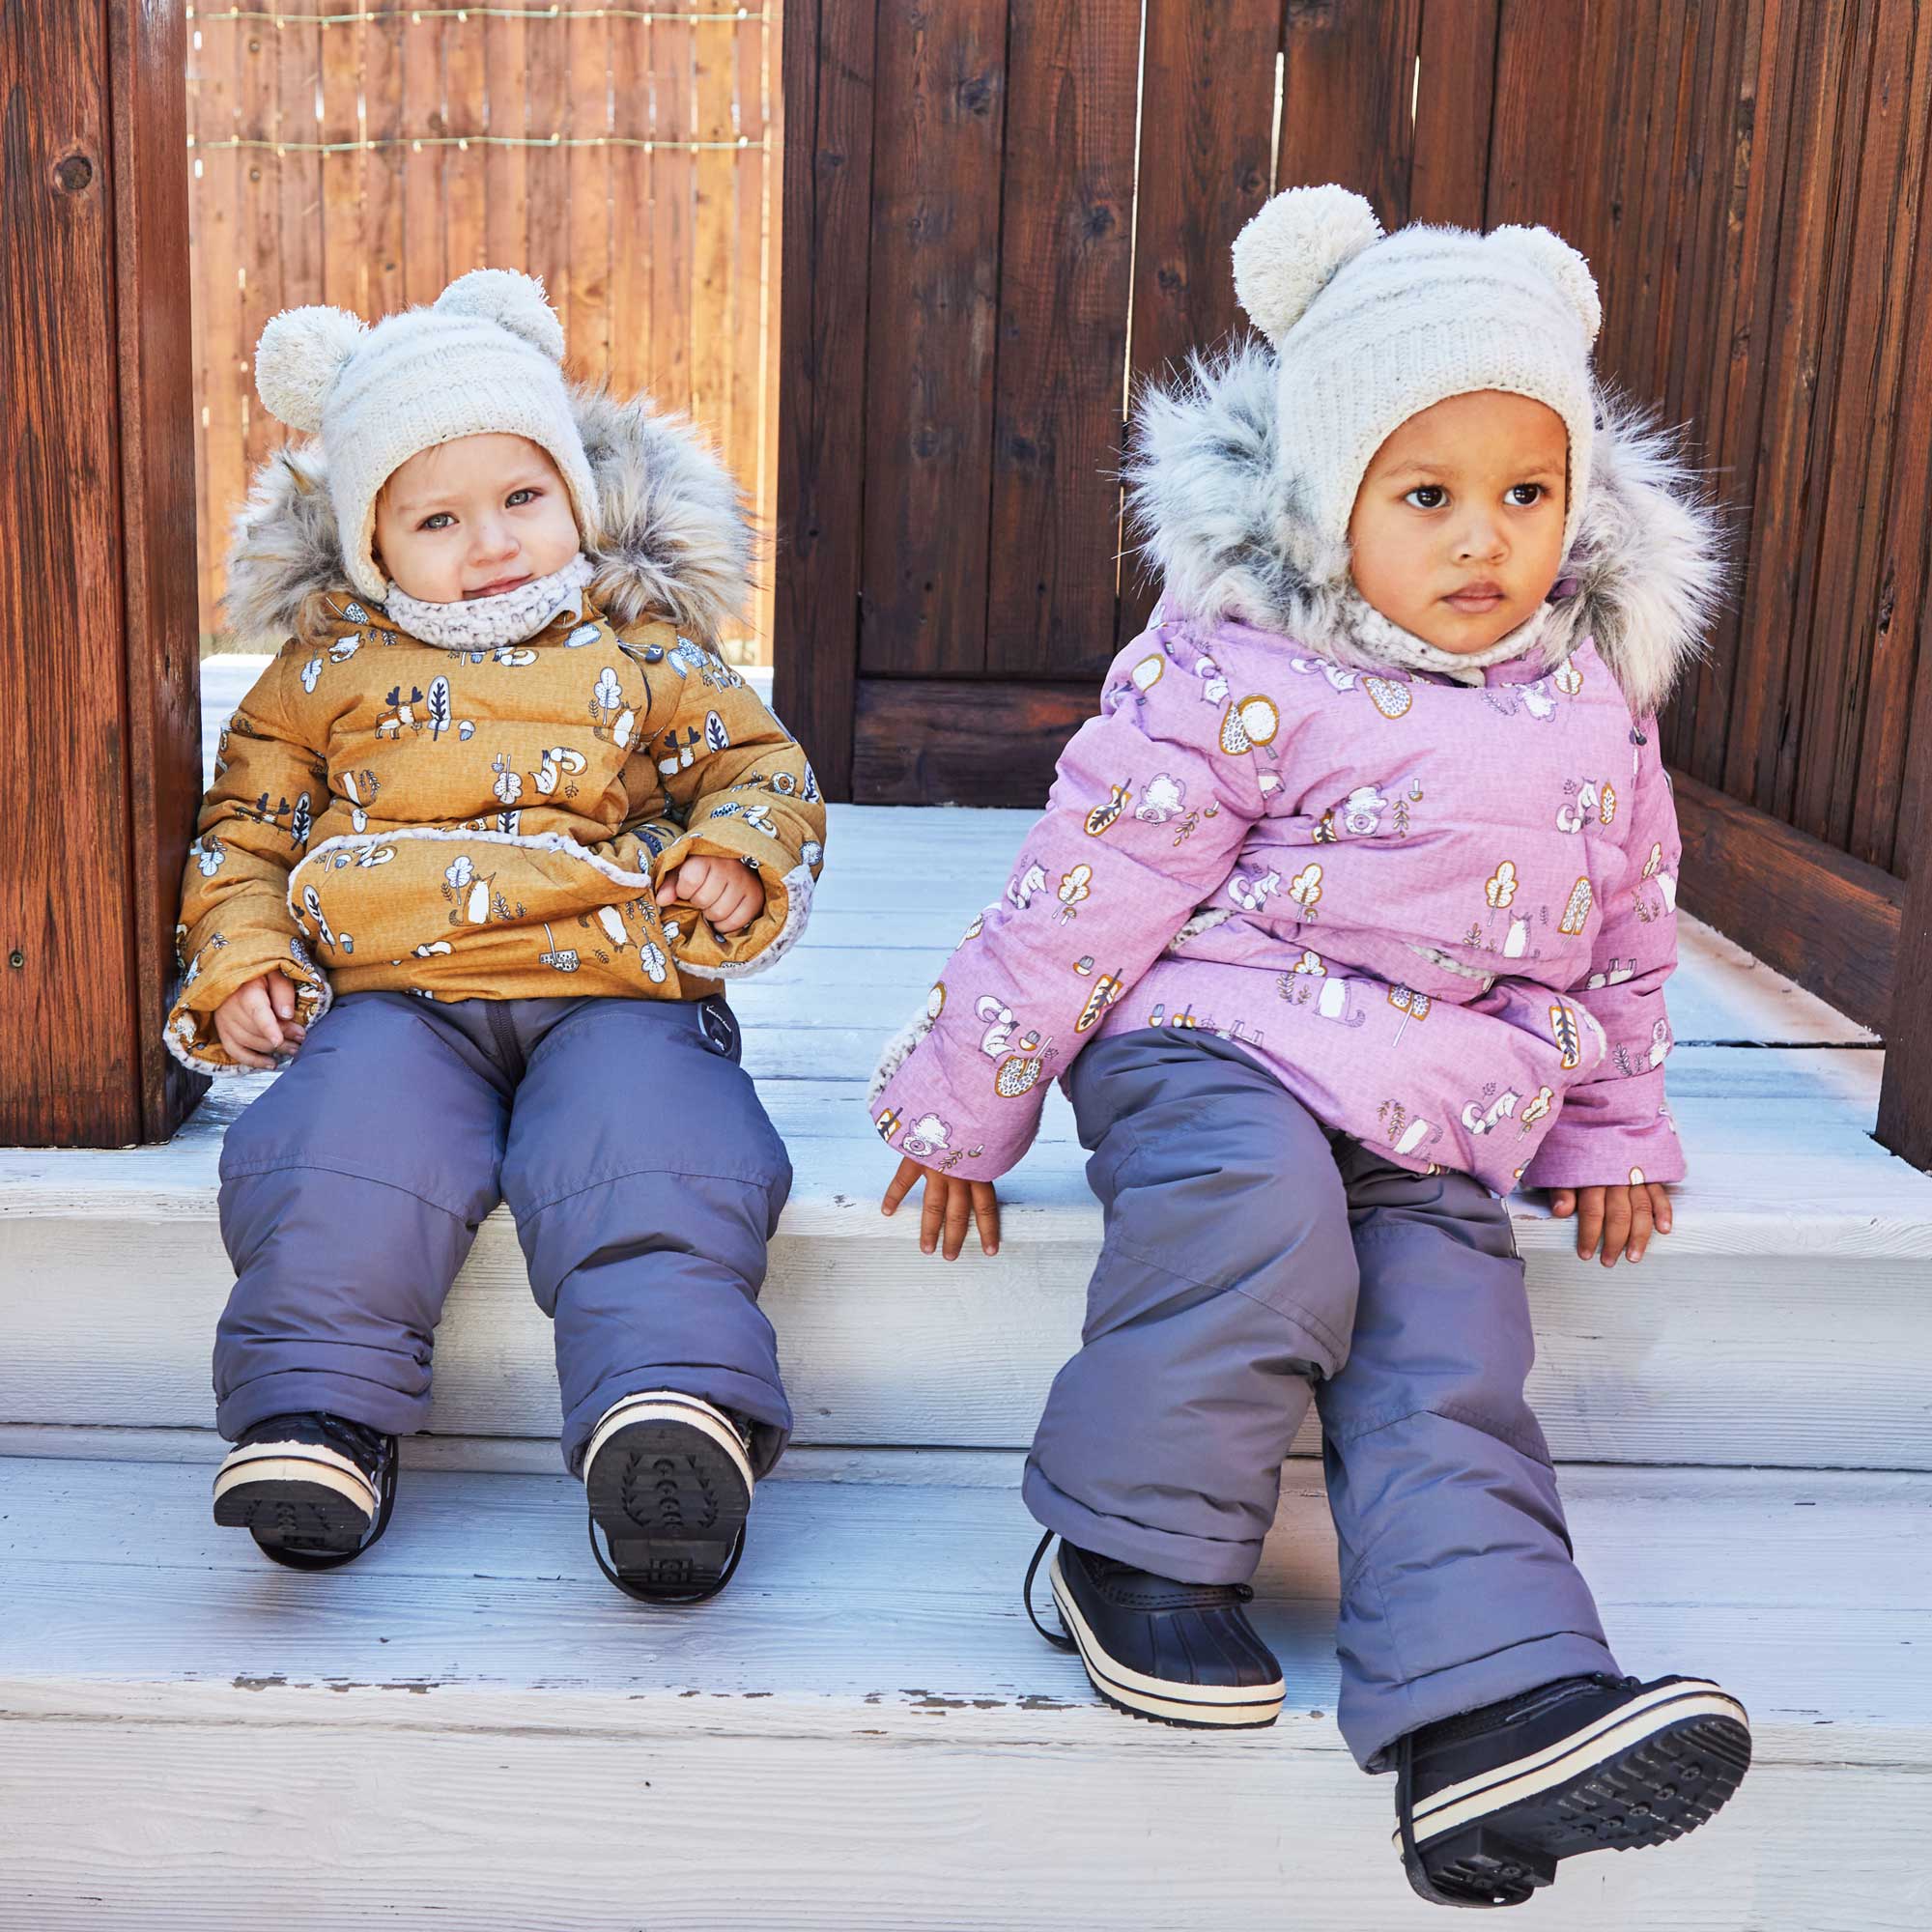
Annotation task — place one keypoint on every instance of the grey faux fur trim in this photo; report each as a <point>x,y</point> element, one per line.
<point>676,536</point>
<point>1221,525</point>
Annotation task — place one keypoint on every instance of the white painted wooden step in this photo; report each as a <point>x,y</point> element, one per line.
<point>1785,1322</point>
<point>470,1728</point>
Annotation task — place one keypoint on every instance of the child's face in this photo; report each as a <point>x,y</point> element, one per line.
<point>474,518</point>
<point>1458,529</point>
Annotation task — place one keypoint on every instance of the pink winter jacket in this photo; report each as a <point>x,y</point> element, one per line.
<point>1441,910</point>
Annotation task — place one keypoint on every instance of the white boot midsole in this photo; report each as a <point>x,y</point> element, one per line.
<point>670,1405</point>
<point>297,1463</point>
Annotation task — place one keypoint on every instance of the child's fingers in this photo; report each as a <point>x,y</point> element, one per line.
<point>1616,1223</point>
<point>243,1057</point>
<point>931,1213</point>
<point>684,883</point>
<point>900,1186</point>
<point>958,1216</point>
<point>986,1211</point>
<point>281,996</point>
<point>1562,1203</point>
<point>1589,1220</point>
<point>260,1027</point>
<point>1641,1224</point>
<point>1660,1205</point>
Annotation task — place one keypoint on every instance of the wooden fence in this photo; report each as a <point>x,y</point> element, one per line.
<point>1001,213</point>
<point>363,153</point>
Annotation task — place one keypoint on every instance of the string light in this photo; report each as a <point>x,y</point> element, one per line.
<point>415,143</point>
<point>417,15</point>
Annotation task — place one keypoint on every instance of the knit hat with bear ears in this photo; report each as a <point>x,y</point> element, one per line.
<point>486,357</point>
<point>1369,330</point>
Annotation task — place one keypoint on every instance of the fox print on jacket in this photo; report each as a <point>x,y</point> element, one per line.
<point>492,823</point>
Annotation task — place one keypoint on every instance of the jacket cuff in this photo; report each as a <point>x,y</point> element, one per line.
<point>223,966</point>
<point>705,954</point>
<point>914,1110</point>
<point>1611,1133</point>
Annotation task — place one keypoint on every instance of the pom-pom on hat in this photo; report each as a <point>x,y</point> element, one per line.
<point>1370,330</point>
<point>486,357</point>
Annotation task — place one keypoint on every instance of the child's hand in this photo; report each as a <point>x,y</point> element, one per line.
<point>725,891</point>
<point>948,1206</point>
<point>258,1021</point>
<point>1622,1216</point>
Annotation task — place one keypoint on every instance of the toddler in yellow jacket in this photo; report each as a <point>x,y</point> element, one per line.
<point>485,843</point>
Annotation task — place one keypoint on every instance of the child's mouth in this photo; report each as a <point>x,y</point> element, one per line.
<point>498,588</point>
<point>1477,601</point>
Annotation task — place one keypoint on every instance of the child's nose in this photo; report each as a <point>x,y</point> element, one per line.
<point>1482,537</point>
<point>494,541</point>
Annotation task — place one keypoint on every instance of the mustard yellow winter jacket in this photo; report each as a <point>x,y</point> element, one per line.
<point>492,823</point>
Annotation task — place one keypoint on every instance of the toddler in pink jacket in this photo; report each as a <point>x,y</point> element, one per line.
<point>1350,912</point>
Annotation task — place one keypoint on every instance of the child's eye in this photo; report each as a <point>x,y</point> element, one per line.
<point>519,498</point>
<point>440,520</point>
<point>1525,495</point>
<point>1427,497</point>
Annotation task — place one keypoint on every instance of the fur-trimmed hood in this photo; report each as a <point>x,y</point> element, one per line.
<point>1219,520</point>
<point>675,538</point>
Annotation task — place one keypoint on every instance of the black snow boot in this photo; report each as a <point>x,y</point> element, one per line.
<point>1177,1653</point>
<point>668,1479</point>
<point>1487,1803</point>
<point>314,1491</point>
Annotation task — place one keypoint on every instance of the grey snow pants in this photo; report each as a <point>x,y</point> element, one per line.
<point>631,1145</point>
<point>1252,1261</point>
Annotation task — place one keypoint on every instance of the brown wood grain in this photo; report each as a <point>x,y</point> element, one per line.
<point>1819,916</point>
<point>584,297</point>
<point>672,213</point>
<point>1895,756</point>
<point>1905,1100</point>
<point>466,84</point>
<point>935,265</point>
<point>926,741</point>
<point>1348,79</point>
<point>506,170</point>
<point>384,222</point>
<point>1066,240</point>
<point>1207,113</point>
<point>70,905</point>
<point>345,253</point>
<point>1449,168</point>
<point>1761,723</point>
<point>159,617</point>
<point>1881,332</point>
<point>828,69</point>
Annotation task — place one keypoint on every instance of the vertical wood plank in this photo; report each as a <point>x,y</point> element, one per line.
<point>828,65</point>
<point>709,311</point>
<point>1348,78</point>
<point>935,259</point>
<point>464,171</point>
<point>745,443</point>
<point>585,299</point>
<point>425,222</point>
<point>1449,168</point>
<point>205,573</point>
<point>1067,222</point>
<point>1895,754</point>
<point>547,90</point>
<point>1762,117</point>
<point>259,232</point>
<point>385,166</point>
<point>158,628</point>
<point>1905,1098</point>
<point>1207,116</point>
<point>630,207</point>
<point>1877,325</point>
<point>297,46</point>
<point>70,1032</point>
<point>345,248</point>
<point>506,169</point>
<point>772,180</point>
<point>1761,720</point>
<point>672,212</point>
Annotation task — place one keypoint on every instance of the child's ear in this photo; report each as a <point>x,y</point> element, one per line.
<point>301,355</point>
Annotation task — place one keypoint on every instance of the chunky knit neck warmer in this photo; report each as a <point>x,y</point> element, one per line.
<point>479,623</point>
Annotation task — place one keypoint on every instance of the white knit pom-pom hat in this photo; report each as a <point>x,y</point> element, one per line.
<point>486,357</point>
<point>1370,330</point>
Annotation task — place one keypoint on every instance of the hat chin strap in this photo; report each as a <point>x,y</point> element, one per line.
<point>479,623</point>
